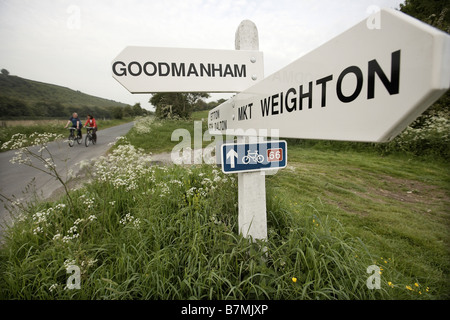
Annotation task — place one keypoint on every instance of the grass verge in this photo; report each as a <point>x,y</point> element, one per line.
<point>171,233</point>
<point>157,136</point>
<point>145,232</point>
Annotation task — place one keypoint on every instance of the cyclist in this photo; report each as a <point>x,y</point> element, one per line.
<point>76,123</point>
<point>91,123</point>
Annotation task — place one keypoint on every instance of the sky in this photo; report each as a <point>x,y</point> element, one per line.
<point>72,43</point>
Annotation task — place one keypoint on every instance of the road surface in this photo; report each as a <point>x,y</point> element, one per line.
<point>14,178</point>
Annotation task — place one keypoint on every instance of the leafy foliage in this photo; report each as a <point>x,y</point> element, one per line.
<point>434,12</point>
<point>172,105</point>
<point>437,14</point>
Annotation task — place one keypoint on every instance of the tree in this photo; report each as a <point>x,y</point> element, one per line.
<point>213,104</point>
<point>137,110</point>
<point>433,12</point>
<point>200,105</point>
<point>5,72</point>
<point>169,104</point>
<point>193,97</point>
<point>127,111</point>
<point>437,14</point>
<point>117,112</point>
<point>175,104</point>
<point>12,107</point>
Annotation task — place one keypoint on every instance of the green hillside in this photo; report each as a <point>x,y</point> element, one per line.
<point>21,97</point>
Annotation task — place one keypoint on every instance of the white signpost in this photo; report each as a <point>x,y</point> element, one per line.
<point>364,85</point>
<point>367,84</point>
<point>149,69</point>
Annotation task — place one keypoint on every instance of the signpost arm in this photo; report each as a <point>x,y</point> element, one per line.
<point>252,217</point>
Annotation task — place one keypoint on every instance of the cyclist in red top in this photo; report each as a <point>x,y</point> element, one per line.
<point>90,122</point>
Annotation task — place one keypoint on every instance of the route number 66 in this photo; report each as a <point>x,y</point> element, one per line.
<point>274,155</point>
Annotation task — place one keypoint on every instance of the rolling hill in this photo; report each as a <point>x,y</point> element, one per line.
<point>31,91</point>
<point>20,97</point>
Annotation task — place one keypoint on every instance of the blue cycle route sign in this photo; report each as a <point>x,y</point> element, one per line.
<point>247,157</point>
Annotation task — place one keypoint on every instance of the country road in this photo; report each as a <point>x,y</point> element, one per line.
<point>14,178</point>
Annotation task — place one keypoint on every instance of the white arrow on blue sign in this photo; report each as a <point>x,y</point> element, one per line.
<point>247,157</point>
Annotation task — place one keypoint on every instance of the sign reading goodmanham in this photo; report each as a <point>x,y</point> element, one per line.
<point>150,69</point>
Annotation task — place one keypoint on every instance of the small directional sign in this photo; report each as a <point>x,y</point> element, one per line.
<point>245,157</point>
<point>153,69</point>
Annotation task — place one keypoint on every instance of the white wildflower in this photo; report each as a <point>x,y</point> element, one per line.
<point>53,287</point>
<point>130,219</point>
<point>78,221</point>
<point>37,230</point>
<point>68,263</point>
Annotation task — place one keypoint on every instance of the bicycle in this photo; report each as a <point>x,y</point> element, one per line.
<point>89,136</point>
<point>73,137</point>
<point>258,158</point>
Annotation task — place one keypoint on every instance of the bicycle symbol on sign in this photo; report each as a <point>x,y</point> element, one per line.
<point>258,158</point>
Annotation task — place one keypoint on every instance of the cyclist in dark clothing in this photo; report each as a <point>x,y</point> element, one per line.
<point>76,123</point>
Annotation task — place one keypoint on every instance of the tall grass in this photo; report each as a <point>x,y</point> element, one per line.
<point>159,136</point>
<point>139,231</point>
<point>144,232</point>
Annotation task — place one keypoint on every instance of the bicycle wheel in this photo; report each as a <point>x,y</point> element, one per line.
<point>87,140</point>
<point>260,158</point>
<point>71,141</point>
<point>245,159</point>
